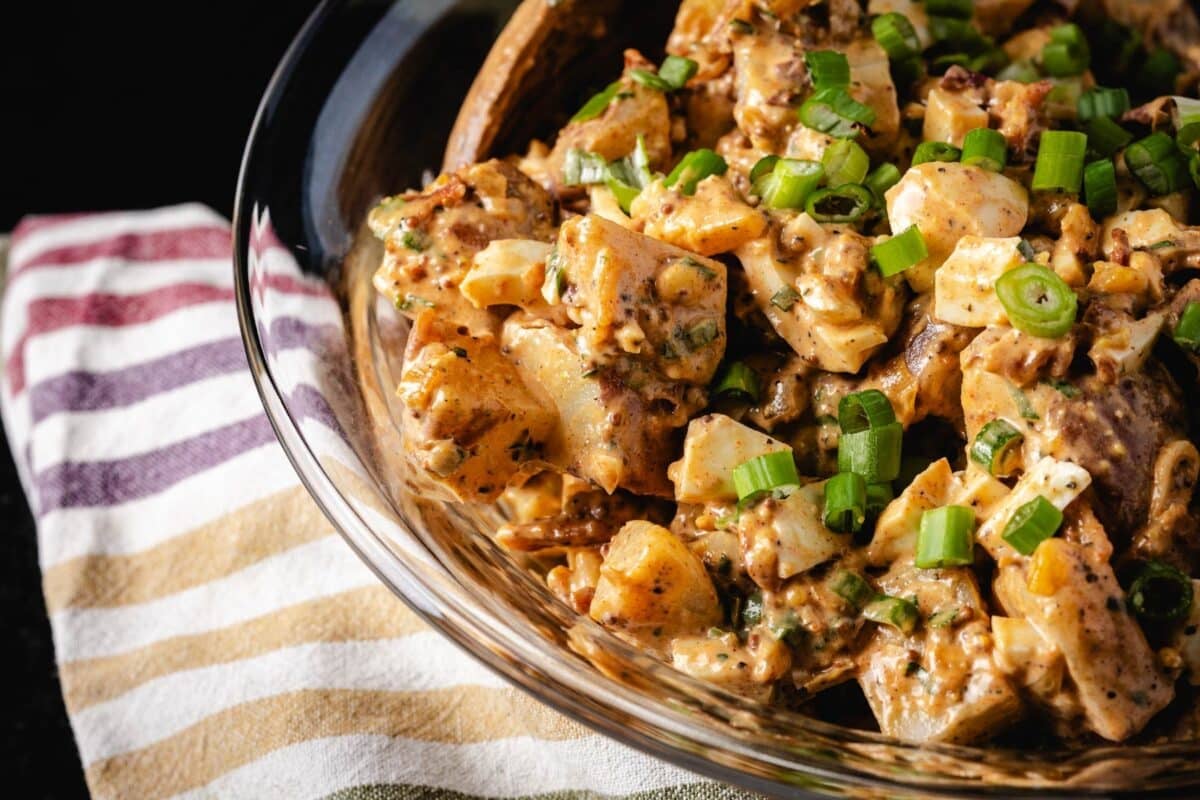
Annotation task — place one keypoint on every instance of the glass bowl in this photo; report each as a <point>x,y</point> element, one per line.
<point>361,107</point>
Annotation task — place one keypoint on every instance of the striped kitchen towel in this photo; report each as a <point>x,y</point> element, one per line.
<point>215,637</point>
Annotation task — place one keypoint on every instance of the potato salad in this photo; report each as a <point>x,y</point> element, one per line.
<point>840,357</point>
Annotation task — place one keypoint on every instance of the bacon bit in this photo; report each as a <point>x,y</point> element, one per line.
<point>1155,113</point>
<point>958,78</point>
<point>1121,249</point>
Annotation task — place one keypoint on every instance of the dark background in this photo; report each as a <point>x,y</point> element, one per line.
<point>107,106</point>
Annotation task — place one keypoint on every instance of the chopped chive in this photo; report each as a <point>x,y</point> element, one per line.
<point>845,503</point>
<point>1160,593</point>
<point>789,182</point>
<point>1032,524</point>
<point>598,103</point>
<point>946,538</point>
<point>846,203</point>
<point>1106,137</point>
<point>1102,102</point>
<point>1067,52</point>
<point>581,168</point>
<point>985,148</point>
<point>873,453</point>
<point>833,111</point>
<point>895,611</point>
<point>853,588</point>
<point>1187,331</point>
<point>1100,187</point>
<point>997,447</point>
<point>1060,161</point>
<point>828,69</point>
<point>900,252</point>
<point>935,151</point>
<point>896,35</point>
<point>738,380</point>
<point>1157,163</point>
<point>693,168</point>
<point>765,473</point>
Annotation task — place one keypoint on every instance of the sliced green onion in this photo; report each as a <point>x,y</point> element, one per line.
<point>992,59</point>
<point>581,167</point>
<point>873,453</point>
<point>959,9</point>
<point>1031,525</point>
<point>935,151</point>
<point>1188,136</point>
<point>1157,163</point>
<point>1060,161</point>
<point>651,80</point>
<point>844,204</point>
<point>946,538</point>
<point>1067,53</point>
<point>1102,102</point>
<point>845,162</point>
<point>878,497</point>
<point>845,502</point>
<point>997,447</point>
<point>895,611</point>
<point>853,588</point>
<point>789,183</point>
<point>986,148</point>
<point>677,70</point>
<point>627,177</point>
<point>1038,302</point>
<point>828,68</point>
<point>900,252</point>
<point>1106,137</point>
<point>1158,73</point>
<point>763,167</point>
<point>738,380</point>
<point>671,76</point>
<point>693,168</point>
<point>869,408</point>
<point>1100,187</point>
<point>956,35</point>
<point>896,36</point>
<point>944,62</point>
<point>1020,71</point>
<point>1160,593</point>
<point>832,110</point>
<point>598,103</point>
<point>1194,167</point>
<point>764,473</point>
<point>1187,111</point>
<point>1187,332</point>
<point>882,178</point>
<point>1021,401</point>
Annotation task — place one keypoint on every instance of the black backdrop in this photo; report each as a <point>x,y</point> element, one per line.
<point>108,106</point>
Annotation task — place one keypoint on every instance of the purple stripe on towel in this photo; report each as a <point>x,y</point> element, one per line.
<point>93,391</point>
<point>105,483</point>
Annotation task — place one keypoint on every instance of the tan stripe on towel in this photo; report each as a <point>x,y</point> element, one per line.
<point>359,615</point>
<point>214,550</point>
<point>237,736</point>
